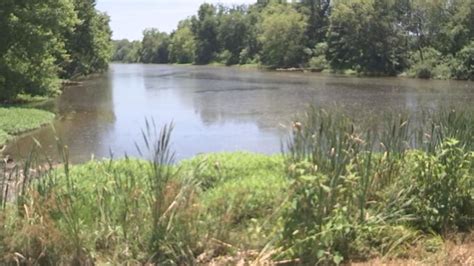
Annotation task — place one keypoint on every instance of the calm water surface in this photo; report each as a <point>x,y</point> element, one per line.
<point>218,109</point>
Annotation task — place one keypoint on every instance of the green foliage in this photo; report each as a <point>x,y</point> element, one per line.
<point>281,35</point>
<point>463,65</point>
<point>32,41</point>
<point>317,12</point>
<point>126,51</point>
<point>182,45</point>
<point>215,169</point>
<point>442,188</point>
<point>426,39</point>
<point>345,196</point>
<point>244,193</point>
<point>155,46</point>
<point>42,40</point>
<point>429,63</point>
<point>89,44</point>
<point>318,59</point>
<point>448,124</point>
<point>14,121</point>
<point>334,196</point>
<point>3,137</point>
<point>204,28</point>
<point>232,34</point>
<point>140,211</point>
<point>364,36</point>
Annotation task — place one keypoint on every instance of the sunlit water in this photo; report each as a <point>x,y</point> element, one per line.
<point>218,109</point>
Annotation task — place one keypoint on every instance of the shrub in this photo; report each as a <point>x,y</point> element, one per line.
<point>350,197</point>
<point>318,60</point>
<point>463,63</point>
<point>442,188</point>
<point>245,57</point>
<point>431,65</point>
<point>226,57</point>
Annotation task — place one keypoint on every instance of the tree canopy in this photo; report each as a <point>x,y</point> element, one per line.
<point>43,40</point>
<point>422,38</point>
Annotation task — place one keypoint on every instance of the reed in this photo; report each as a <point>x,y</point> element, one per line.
<point>340,191</point>
<point>347,178</point>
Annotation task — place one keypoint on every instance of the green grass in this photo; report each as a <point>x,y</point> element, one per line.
<point>217,168</point>
<point>241,190</point>
<point>14,121</point>
<point>3,137</point>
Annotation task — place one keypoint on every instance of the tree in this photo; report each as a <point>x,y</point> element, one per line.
<point>182,44</point>
<point>281,35</point>
<point>318,12</point>
<point>233,32</point>
<point>458,32</point>
<point>204,28</point>
<point>365,35</point>
<point>463,65</point>
<point>121,48</point>
<point>32,44</point>
<point>126,51</point>
<point>154,47</point>
<point>89,45</point>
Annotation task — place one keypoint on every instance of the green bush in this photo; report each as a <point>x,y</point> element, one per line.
<point>245,57</point>
<point>441,187</point>
<point>318,63</point>
<point>349,197</point>
<point>225,57</point>
<point>318,59</point>
<point>463,63</point>
<point>431,65</point>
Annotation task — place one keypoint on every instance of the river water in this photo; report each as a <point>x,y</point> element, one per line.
<point>216,108</point>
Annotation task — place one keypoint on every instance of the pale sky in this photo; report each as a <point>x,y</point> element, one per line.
<point>131,17</point>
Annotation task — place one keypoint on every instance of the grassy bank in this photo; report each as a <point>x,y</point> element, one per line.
<point>340,193</point>
<point>14,121</point>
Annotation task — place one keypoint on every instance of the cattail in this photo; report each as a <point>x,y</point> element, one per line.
<point>297,126</point>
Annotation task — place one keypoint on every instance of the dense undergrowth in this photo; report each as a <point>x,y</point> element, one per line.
<point>14,121</point>
<point>339,192</point>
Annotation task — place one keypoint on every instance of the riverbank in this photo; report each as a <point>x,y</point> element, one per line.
<point>15,121</point>
<point>331,198</point>
<point>214,208</point>
<point>307,70</point>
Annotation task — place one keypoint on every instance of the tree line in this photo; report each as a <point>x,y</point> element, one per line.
<point>44,41</point>
<point>422,38</point>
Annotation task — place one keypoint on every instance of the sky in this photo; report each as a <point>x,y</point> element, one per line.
<point>130,17</point>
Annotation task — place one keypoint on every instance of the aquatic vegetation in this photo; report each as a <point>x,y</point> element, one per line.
<point>14,121</point>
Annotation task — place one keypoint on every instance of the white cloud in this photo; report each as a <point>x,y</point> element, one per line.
<point>131,17</point>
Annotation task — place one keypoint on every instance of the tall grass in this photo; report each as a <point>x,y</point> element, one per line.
<point>341,191</point>
<point>125,211</point>
<point>348,181</point>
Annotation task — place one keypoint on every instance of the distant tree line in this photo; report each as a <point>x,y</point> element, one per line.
<point>44,41</point>
<point>423,38</point>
